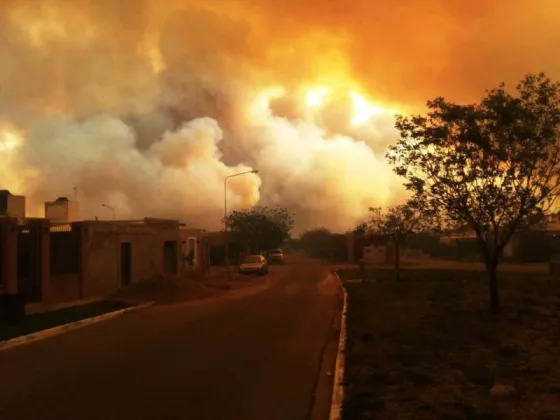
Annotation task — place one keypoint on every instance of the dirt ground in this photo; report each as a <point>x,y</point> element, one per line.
<point>169,289</point>
<point>427,347</point>
<point>430,264</point>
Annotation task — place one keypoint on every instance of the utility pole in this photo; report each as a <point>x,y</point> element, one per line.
<point>110,208</point>
<point>226,230</point>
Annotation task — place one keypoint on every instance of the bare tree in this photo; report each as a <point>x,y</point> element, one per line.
<point>397,223</point>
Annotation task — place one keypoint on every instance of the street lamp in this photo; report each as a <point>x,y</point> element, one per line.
<point>110,208</point>
<point>254,171</point>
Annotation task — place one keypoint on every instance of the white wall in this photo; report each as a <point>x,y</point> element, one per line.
<point>375,254</point>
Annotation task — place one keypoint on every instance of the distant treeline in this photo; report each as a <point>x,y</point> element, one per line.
<point>528,247</point>
<point>320,243</point>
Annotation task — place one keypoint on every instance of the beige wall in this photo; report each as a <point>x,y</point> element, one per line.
<point>16,206</point>
<point>104,244</point>
<point>66,211</point>
<point>56,212</point>
<point>100,262</point>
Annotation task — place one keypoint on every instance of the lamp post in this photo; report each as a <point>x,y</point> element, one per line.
<point>110,208</point>
<point>226,213</point>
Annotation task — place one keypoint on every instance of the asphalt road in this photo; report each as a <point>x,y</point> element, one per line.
<point>258,356</point>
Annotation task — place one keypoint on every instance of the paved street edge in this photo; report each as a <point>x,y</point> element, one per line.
<point>338,386</point>
<point>61,329</point>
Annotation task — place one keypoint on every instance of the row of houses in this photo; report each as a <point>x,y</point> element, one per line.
<point>55,263</point>
<point>55,260</point>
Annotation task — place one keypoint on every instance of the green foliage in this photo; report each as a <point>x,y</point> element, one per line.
<point>292,245</point>
<point>362,228</point>
<point>534,247</point>
<point>493,165</point>
<point>317,243</point>
<point>261,227</point>
<point>398,222</point>
<point>459,249</point>
<point>322,243</point>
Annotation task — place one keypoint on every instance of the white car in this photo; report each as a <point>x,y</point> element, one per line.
<point>254,264</point>
<point>276,256</point>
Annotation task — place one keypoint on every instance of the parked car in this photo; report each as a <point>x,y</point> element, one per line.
<point>254,264</point>
<point>276,256</point>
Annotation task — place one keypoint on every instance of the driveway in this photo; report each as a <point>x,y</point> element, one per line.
<point>255,356</point>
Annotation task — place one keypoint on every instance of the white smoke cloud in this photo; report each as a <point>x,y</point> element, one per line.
<point>179,176</point>
<point>95,111</point>
<point>326,180</point>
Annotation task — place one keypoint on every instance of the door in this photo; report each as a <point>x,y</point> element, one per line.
<point>170,257</point>
<point>29,263</point>
<point>126,263</point>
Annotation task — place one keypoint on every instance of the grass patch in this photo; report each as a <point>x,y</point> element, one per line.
<point>428,347</point>
<point>38,322</point>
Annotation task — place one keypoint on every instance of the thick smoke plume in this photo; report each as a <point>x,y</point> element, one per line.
<point>148,106</point>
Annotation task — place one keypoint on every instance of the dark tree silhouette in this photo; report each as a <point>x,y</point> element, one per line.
<point>261,228</point>
<point>398,222</point>
<point>494,165</point>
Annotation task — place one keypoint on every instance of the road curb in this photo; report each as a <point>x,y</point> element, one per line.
<point>34,308</point>
<point>338,387</point>
<point>61,329</point>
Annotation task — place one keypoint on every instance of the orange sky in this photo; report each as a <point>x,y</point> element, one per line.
<point>105,80</point>
<point>411,50</point>
<point>417,49</point>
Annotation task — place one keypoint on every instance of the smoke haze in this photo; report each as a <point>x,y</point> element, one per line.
<point>148,107</point>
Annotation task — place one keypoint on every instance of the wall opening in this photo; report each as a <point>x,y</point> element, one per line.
<point>64,253</point>
<point>126,263</point>
<point>29,283</point>
<point>170,260</point>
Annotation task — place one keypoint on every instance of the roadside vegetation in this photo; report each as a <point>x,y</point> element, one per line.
<point>260,227</point>
<point>493,166</point>
<point>42,321</point>
<point>463,341</point>
<point>426,347</point>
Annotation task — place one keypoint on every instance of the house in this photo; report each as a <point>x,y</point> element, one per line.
<point>12,205</point>
<point>373,249</point>
<point>54,263</point>
<point>62,210</point>
<point>215,243</point>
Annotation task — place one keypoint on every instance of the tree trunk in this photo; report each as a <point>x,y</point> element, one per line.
<point>492,256</point>
<point>493,289</point>
<point>492,261</point>
<point>397,260</point>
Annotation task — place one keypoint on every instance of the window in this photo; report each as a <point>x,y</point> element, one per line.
<point>170,257</point>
